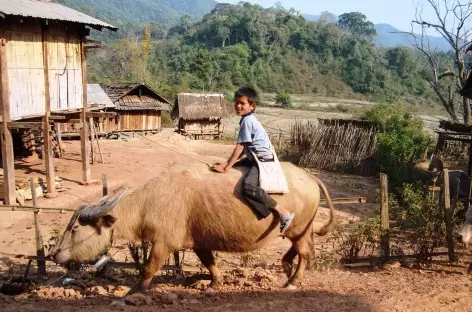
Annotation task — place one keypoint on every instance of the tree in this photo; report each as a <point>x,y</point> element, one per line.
<point>451,22</point>
<point>145,49</point>
<point>357,24</point>
<point>401,60</point>
<point>328,17</point>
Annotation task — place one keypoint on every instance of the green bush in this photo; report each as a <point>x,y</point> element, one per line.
<point>350,240</point>
<point>419,218</point>
<point>284,99</point>
<point>401,140</point>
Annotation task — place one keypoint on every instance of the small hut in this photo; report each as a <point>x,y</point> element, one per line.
<point>199,115</point>
<point>138,108</point>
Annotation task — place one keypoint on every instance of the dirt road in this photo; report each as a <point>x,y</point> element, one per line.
<point>437,288</point>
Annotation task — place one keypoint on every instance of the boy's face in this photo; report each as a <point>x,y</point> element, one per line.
<point>242,106</point>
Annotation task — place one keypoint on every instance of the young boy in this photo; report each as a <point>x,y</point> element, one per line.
<point>252,136</point>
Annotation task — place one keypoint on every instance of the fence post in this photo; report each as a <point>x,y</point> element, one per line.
<point>280,141</point>
<point>105,184</point>
<point>384,218</point>
<point>39,238</point>
<point>448,215</point>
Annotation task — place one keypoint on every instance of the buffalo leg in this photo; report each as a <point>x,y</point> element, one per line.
<point>156,260</point>
<point>206,257</point>
<point>302,248</point>
<point>287,261</point>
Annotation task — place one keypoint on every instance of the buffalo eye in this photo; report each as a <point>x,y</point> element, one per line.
<point>74,229</point>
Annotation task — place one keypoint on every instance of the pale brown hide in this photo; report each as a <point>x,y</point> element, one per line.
<point>191,207</point>
<point>196,208</point>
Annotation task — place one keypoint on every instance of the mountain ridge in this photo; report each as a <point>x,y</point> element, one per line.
<point>170,12</point>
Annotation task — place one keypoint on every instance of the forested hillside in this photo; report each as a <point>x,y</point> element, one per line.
<point>272,49</point>
<point>124,12</point>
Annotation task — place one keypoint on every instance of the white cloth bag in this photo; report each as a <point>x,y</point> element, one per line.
<point>271,175</point>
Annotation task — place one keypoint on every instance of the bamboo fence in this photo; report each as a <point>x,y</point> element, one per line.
<point>335,146</point>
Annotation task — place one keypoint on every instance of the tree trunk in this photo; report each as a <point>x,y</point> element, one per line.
<point>467,111</point>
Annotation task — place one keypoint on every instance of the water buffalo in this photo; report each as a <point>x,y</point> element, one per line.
<point>192,208</point>
<point>466,231</point>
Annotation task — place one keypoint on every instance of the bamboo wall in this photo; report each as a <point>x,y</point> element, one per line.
<point>346,147</point>
<point>26,67</point>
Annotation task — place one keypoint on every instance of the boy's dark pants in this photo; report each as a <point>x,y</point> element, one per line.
<point>257,198</point>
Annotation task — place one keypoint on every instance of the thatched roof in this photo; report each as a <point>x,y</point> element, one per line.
<point>136,96</point>
<point>199,106</point>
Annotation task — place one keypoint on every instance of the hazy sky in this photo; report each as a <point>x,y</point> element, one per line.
<point>398,13</point>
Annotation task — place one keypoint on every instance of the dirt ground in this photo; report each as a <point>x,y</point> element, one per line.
<point>257,288</point>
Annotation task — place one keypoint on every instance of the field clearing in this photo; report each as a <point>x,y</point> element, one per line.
<point>439,287</point>
<point>277,119</point>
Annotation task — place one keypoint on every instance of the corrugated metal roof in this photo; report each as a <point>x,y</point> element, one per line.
<point>48,10</point>
<point>96,96</point>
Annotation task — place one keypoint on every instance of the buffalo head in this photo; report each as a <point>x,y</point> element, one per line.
<point>89,231</point>
<point>466,231</point>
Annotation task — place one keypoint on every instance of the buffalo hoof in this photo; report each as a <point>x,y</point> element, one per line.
<point>210,290</point>
<point>290,287</point>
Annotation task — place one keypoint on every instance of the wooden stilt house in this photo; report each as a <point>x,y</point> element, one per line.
<point>43,71</point>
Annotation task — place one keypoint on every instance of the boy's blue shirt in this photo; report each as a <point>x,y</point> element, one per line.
<point>254,137</point>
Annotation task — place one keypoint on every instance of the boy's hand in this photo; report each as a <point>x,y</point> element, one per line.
<point>219,168</point>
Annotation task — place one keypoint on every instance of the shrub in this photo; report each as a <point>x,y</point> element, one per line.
<point>400,142</point>
<point>284,99</point>
<point>419,218</point>
<point>342,108</point>
<point>350,240</point>
<point>315,90</point>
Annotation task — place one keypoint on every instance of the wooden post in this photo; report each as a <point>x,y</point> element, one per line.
<point>84,137</point>
<point>47,147</point>
<point>469,167</point>
<point>6,138</point>
<point>97,141</point>
<point>105,184</point>
<point>92,135</point>
<point>39,238</point>
<point>280,141</point>
<point>57,127</point>
<point>384,217</point>
<point>448,215</point>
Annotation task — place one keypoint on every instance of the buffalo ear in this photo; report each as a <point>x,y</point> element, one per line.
<point>108,220</point>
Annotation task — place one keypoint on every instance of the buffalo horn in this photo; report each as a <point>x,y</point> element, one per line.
<point>103,206</point>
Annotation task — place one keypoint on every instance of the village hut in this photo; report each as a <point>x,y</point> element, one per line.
<point>43,51</point>
<point>198,115</point>
<point>97,101</point>
<point>137,106</point>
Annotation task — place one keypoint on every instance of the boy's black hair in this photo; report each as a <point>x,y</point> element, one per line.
<point>248,92</point>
